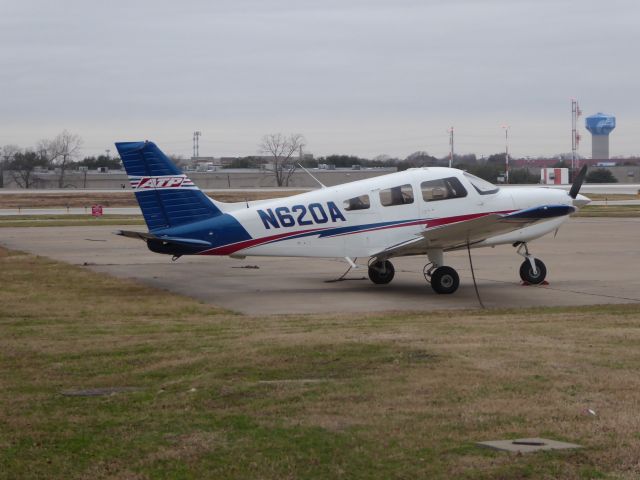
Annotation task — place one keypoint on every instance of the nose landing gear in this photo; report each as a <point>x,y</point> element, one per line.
<point>532,270</point>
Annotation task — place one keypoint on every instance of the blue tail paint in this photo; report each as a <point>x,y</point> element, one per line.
<point>166,196</point>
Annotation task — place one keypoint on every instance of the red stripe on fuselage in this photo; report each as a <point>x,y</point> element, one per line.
<point>433,222</point>
<point>235,247</point>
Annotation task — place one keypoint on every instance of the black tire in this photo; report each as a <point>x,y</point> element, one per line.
<point>526,272</point>
<point>445,280</point>
<point>381,273</point>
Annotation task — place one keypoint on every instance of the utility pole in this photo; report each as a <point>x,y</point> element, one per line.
<point>575,136</point>
<point>451,145</point>
<point>196,145</point>
<point>506,153</point>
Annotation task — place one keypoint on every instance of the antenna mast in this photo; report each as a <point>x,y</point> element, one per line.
<point>575,136</point>
<point>196,144</point>
<point>451,145</point>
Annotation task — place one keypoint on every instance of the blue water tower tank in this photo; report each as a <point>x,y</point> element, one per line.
<point>600,125</point>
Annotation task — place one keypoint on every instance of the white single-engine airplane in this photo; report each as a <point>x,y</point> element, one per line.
<point>421,211</point>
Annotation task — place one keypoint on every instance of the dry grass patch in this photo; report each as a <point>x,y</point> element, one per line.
<point>375,396</point>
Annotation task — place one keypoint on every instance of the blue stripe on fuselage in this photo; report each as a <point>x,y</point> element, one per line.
<point>333,232</point>
<point>546,211</point>
<point>218,231</point>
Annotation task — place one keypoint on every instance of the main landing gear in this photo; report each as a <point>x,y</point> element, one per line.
<point>532,270</point>
<point>443,279</point>
<point>381,272</point>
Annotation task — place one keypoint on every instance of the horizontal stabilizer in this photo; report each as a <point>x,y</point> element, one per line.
<point>187,242</point>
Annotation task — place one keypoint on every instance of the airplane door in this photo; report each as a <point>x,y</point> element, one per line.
<point>363,213</point>
<point>396,206</point>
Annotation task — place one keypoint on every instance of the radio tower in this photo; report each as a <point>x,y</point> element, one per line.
<point>196,145</point>
<point>575,136</point>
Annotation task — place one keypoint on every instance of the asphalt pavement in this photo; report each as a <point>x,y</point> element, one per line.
<point>591,261</point>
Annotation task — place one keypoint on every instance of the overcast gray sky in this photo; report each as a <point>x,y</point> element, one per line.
<point>355,77</point>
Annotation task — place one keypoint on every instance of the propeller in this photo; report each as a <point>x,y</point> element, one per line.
<point>577,183</point>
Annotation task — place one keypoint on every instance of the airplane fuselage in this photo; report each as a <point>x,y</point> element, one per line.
<point>423,211</point>
<point>361,218</point>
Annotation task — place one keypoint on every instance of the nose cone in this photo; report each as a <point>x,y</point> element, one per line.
<point>581,201</point>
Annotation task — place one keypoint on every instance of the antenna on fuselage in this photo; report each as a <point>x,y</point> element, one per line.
<point>311,175</point>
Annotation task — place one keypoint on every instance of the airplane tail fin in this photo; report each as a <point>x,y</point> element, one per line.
<point>167,197</point>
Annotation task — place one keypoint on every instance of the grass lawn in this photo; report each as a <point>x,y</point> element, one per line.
<point>68,220</point>
<point>125,198</point>
<point>621,211</point>
<point>212,394</point>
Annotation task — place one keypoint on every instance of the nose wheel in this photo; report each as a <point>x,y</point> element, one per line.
<point>532,270</point>
<point>529,275</point>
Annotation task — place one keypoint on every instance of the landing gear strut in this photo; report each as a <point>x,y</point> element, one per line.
<point>532,270</point>
<point>381,272</point>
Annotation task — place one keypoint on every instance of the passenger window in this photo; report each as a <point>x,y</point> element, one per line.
<point>357,203</point>
<point>401,195</point>
<point>442,189</point>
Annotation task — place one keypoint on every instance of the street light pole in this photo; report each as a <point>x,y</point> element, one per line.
<point>506,153</point>
<point>451,145</point>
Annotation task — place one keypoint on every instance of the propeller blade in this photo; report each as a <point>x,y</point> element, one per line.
<point>577,183</point>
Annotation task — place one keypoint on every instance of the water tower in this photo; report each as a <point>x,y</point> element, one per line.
<point>600,125</point>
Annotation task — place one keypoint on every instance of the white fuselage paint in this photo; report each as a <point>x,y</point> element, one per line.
<point>369,242</point>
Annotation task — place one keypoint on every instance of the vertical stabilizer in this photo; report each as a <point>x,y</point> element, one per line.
<point>167,197</point>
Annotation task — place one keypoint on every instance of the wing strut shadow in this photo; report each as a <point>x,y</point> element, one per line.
<point>473,275</point>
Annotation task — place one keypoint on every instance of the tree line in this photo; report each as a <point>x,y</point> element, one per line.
<point>282,151</point>
<point>60,152</point>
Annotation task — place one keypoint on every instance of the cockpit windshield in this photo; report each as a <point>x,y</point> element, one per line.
<point>482,186</point>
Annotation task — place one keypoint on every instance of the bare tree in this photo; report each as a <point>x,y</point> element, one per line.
<point>22,167</point>
<point>180,161</point>
<point>61,151</point>
<point>281,149</point>
<point>7,153</point>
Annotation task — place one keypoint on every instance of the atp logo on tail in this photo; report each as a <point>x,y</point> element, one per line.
<point>160,182</point>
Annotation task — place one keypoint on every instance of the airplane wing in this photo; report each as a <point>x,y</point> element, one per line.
<point>460,233</point>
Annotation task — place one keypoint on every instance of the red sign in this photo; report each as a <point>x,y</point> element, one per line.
<point>96,210</point>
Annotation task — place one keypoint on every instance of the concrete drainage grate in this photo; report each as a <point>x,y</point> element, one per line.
<point>527,445</point>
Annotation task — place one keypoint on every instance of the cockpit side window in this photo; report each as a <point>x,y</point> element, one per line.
<point>482,186</point>
<point>400,195</point>
<point>442,189</point>
<point>357,203</point>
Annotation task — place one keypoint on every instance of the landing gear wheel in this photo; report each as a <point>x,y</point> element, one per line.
<point>381,273</point>
<point>445,280</point>
<point>527,275</point>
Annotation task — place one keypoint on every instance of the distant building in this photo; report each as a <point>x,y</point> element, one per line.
<point>554,176</point>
